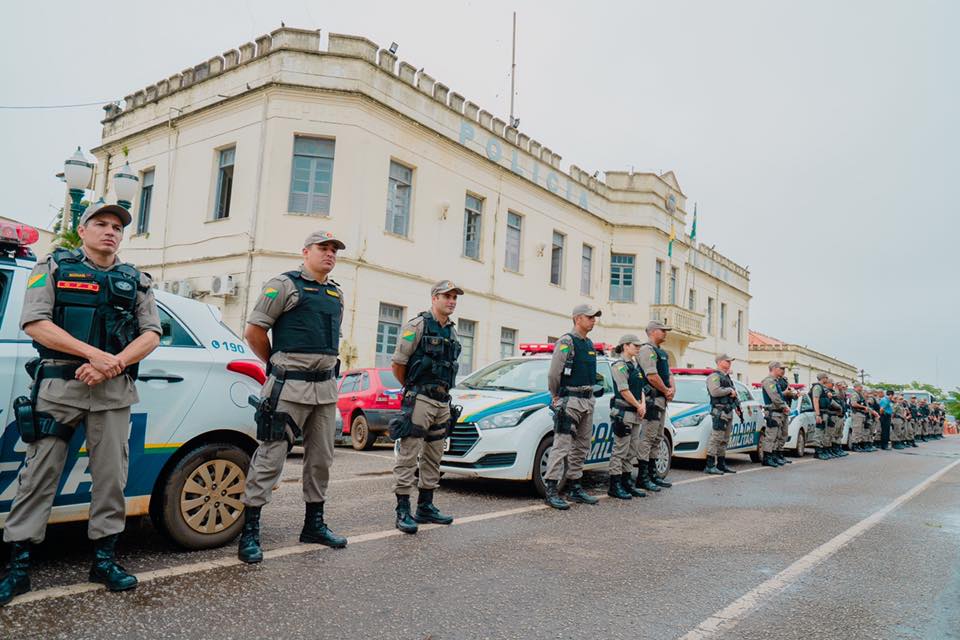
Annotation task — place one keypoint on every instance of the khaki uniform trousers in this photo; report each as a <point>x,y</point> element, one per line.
<point>857,432</point>
<point>626,448</point>
<point>717,444</point>
<point>896,424</point>
<point>573,447</point>
<point>432,416</point>
<point>107,443</point>
<point>836,436</point>
<point>773,437</point>
<point>649,445</point>
<point>318,423</point>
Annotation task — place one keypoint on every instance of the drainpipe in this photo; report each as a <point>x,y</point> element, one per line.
<point>254,217</point>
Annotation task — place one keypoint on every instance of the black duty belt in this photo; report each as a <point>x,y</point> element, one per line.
<point>433,391</point>
<point>307,376</point>
<point>62,371</point>
<point>575,393</point>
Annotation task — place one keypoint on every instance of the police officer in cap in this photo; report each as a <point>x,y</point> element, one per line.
<point>822,399</point>
<point>572,382</point>
<point>723,403</point>
<point>776,408</point>
<point>627,408</point>
<point>304,309</point>
<point>658,391</point>
<point>425,363</point>
<point>92,319</point>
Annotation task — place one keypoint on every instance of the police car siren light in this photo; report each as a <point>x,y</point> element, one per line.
<point>541,347</point>
<point>692,372</point>
<point>19,234</point>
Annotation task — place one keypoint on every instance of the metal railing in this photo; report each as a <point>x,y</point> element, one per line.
<point>679,319</point>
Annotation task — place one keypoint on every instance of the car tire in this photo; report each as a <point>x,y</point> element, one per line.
<point>540,465</point>
<point>664,456</point>
<point>801,444</point>
<point>360,436</point>
<point>197,479</point>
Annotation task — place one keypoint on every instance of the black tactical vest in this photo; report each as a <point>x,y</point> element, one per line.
<point>663,364</point>
<point>723,401</point>
<point>313,326</point>
<point>96,307</point>
<point>434,362</point>
<point>634,380</point>
<point>580,369</point>
<point>780,389</point>
<point>824,396</point>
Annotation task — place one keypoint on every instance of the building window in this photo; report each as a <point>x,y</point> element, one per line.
<point>658,283</point>
<point>740,327</point>
<point>514,234</point>
<point>508,342</point>
<point>692,300</point>
<point>466,331</point>
<point>146,199</point>
<point>710,305</point>
<point>586,270</point>
<point>673,285</point>
<point>399,188</point>
<point>621,277</point>
<point>472,211</point>
<point>556,258</point>
<point>312,176</point>
<point>224,183</point>
<point>723,319</point>
<point>388,329</point>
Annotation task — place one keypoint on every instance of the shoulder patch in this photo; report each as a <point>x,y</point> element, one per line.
<point>622,368</point>
<point>333,292</point>
<point>564,348</point>
<point>653,355</point>
<point>409,335</point>
<point>37,281</point>
<point>270,292</point>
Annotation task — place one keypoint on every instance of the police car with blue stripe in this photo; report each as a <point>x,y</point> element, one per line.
<point>191,435</point>
<point>690,414</point>
<point>506,429</point>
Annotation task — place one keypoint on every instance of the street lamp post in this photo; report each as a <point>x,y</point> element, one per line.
<point>77,173</point>
<point>125,183</point>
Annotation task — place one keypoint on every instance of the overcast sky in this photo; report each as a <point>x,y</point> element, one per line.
<point>819,138</point>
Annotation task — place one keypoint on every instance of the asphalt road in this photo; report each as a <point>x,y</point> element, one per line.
<point>863,547</point>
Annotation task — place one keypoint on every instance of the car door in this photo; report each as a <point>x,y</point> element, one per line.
<point>347,397</point>
<point>11,449</point>
<point>746,433</point>
<point>601,443</point>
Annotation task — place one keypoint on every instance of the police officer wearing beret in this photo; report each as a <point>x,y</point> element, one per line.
<point>92,319</point>
<point>627,408</point>
<point>425,362</point>
<point>572,382</point>
<point>304,310</point>
<point>659,390</point>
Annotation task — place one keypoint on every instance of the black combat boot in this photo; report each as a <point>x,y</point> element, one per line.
<point>840,452</point>
<point>316,531</point>
<point>819,454</point>
<point>404,521</point>
<point>711,467</point>
<point>897,445</point>
<point>643,477</point>
<point>616,489</point>
<point>783,460</point>
<point>770,460</point>
<point>577,493</point>
<point>553,498</point>
<point>427,512</point>
<point>722,465</point>
<point>627,481</point>
<point>657,480</point>
<point>105,570</point>
<point>912,443</point>
<point>248,550</point>
<point>17,580</point>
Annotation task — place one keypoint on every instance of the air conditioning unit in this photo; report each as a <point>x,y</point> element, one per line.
<point>223,285</point>
<point>181,288</point>
<point>200,286</point>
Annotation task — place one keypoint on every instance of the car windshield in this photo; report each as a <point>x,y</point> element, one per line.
<point>691,390</point>
<point>388,380</point>
<point>510,375</point>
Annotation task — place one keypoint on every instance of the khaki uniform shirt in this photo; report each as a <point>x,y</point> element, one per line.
<point>561,350</point>
<point>114,393</point>
<point>769,385</point>
<point>647,361</point>
<point>279,296</point>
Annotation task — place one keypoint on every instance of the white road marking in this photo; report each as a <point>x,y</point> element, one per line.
<point>728,617</point>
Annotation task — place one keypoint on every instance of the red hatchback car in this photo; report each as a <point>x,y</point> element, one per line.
<point>368,399</point>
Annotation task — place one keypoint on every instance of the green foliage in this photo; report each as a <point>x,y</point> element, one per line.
<point>66,238</point>
<point>952,404</point>
<point>937,392</point>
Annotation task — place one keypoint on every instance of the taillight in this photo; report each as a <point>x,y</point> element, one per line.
<point>251,368</point>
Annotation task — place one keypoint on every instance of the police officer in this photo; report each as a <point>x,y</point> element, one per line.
<point>924,410</point>
<point>838,418</point>
<point>822,400</point>
<point>572,382</point>
<point>92,319</point>
<point>897,423</point>
<point>859,412</point>
<point>912,418</point>
<point>776,409</point>
<point>627,408</point>
<point>425,363</point>
<point>659,390</point>
<point>873,419</point>
<point>304,309</point>
<point>723,403</point>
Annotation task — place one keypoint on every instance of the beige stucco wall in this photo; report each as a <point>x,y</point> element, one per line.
<point>375,116</point>
<point>800,360</point>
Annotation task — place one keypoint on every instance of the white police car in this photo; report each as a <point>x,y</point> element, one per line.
<point>506,428</point>
<point>191,435</point>
<point>803,421</point>
<point>690,413</point>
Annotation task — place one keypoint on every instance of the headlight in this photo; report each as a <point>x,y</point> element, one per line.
<point>508,418</point>
<point>689,421</point>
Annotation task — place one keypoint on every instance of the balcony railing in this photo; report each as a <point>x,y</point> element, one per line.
<point>683,321</point>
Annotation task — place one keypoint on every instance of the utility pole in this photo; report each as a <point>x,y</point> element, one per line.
<point>513,70</point>
<point>863,376</point>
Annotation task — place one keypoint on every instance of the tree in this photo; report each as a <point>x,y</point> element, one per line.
<point>952,404</point>
<point>66,238</point>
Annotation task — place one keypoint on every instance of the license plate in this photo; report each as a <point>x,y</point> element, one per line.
<point>446,445</point>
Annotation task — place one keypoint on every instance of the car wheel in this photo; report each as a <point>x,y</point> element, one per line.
<point>801,444</point>
<point>360,436</point>
<point>664,456</point>
<point>540,467</point>
<point>200,501</point>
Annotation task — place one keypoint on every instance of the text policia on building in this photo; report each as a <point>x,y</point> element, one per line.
<point>246,152</point>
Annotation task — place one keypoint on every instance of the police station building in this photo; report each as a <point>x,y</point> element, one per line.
<point>243,155</point>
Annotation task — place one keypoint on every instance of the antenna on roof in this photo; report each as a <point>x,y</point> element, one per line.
<point>514,122</point>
